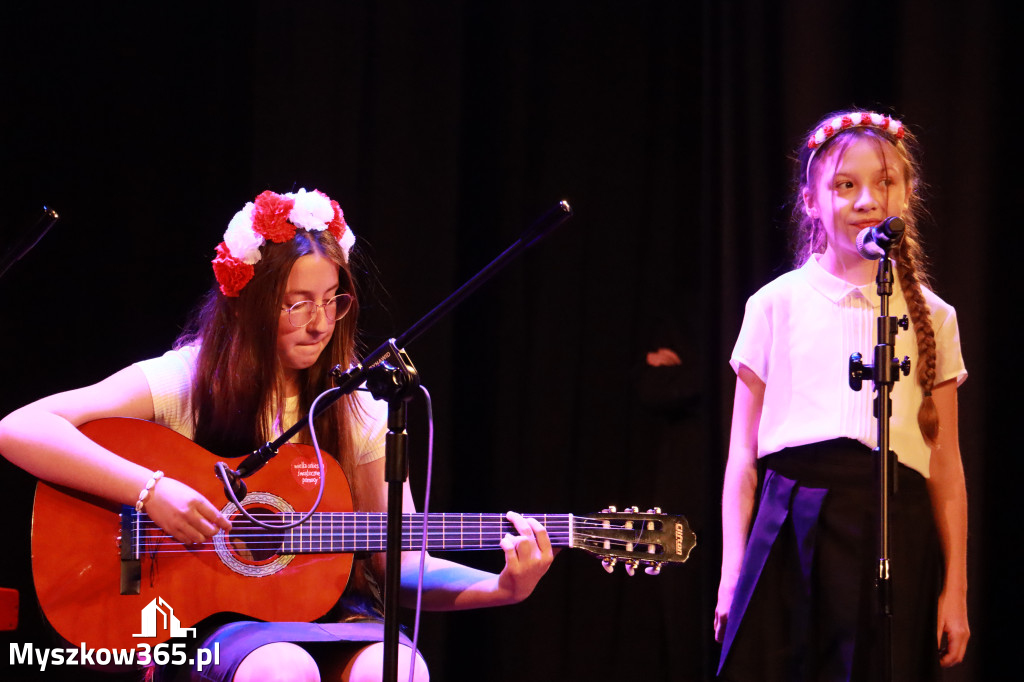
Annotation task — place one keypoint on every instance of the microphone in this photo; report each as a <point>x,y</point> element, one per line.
<point>874,242</point>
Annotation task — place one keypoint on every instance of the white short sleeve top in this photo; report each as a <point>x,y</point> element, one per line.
<point>797,336</point>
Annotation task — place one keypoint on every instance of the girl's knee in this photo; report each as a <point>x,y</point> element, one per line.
<point>278,662</point>
<point>368,664</point>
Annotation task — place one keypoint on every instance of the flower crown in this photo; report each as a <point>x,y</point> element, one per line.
<point>854,119</point>
<point>274,217</point>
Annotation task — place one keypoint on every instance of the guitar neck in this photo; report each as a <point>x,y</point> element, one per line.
<point>367,532</point>
<point>334,532</point>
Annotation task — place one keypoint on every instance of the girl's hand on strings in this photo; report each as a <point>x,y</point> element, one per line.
<point>183,513</point>
<point>527,557</point>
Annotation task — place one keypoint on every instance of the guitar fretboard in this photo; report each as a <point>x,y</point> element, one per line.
<point>367,531</point>
<point>633,536</point>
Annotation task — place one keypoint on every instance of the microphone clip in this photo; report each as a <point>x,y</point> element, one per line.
<point>234,487</point>
<point>232,478</point>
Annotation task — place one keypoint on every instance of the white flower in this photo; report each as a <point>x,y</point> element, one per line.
<point>242,241</point>
<point>348,240</point>
<point>312,210</point>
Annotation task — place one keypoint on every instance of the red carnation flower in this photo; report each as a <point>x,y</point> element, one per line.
<point>865,119</point>
<point>337,225</point>
<point>828,131</point>
<point>270,217</point>
<point>847,122</point>
<point>232,274</point>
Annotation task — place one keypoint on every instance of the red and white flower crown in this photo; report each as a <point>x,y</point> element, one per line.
<point>854,119</point>
<point>274,217</point>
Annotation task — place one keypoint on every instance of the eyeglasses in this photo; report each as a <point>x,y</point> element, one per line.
<point>302,313</point>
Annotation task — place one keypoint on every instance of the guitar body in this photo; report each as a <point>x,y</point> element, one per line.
<point>76,547</point>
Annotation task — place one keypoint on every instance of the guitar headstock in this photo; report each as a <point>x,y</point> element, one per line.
<point>649,539</point>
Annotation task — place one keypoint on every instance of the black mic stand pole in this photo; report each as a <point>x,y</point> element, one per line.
<point>884,373</point>
<point>389,375</point>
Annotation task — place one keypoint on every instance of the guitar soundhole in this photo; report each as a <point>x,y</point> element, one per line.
<point>249,549</point>
<point>252,543</point>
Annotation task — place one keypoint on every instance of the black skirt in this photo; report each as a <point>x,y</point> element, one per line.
<point>806,606</point>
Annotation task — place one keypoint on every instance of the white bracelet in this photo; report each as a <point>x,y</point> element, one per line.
<point>150,484</point>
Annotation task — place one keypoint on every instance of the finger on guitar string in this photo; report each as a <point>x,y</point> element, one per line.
<point>187,535</point>
<point>532,530</point>
<point>520,523</point>
<point>213,515</point>
<point>527,556</point>
<point>184,513</point>
<point>508,545</point>
<point>541,534</point>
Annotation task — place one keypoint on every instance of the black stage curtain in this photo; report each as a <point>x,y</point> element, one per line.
<point>444,129</point>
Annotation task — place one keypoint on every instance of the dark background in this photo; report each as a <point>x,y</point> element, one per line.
<point>444,129</point>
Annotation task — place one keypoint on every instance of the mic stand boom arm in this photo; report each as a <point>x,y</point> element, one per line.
<point>27,241</point>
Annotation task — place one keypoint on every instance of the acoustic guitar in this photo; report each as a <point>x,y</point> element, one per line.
<point>108,577</point>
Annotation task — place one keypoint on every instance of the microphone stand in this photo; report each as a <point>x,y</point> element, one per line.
<point>389,374</point>
<point>29,239</point>
<point>883,373</point>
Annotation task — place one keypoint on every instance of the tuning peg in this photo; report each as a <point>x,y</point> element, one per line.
<point>609,510</point>
<point>635,509</point>
<point>631,567</point>
<point>653,569</point>
<point>609,564</point>
<point>654,510</point>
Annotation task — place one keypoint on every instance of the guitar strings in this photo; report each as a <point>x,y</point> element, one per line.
<point>326,533</point>
<point>373,520</point>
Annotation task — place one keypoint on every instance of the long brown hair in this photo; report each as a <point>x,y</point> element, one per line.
<point>237,391</point>
<point>808,236</point>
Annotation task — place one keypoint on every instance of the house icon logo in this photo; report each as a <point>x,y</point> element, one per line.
<point>160,610</point>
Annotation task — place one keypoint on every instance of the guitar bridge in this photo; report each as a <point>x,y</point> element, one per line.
<point>131,567</point>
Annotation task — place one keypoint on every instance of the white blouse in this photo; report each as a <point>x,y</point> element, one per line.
<point>797,336</point>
